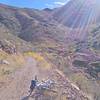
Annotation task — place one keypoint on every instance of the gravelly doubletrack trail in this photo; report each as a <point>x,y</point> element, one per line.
<point>18,88</point>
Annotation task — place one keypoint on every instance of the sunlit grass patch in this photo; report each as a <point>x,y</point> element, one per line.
<point>5,71</point>
<point>3,55</point>
<point>41,60</point>
<point>18,59</point>
<point>14,62</point>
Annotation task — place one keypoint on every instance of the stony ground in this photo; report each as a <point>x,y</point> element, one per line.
<point>18,86</point>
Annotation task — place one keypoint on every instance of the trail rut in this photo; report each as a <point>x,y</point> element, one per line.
<point>19,86</point>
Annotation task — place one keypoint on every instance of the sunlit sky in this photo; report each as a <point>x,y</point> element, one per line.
<point>39,4</point>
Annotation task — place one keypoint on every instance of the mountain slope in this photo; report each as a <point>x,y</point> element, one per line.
<point>9,39</point>
<point>63,47</point>
<point>94,38</point>
<point>78,13</point>
<point>79,16</point>
<point>30,24</point>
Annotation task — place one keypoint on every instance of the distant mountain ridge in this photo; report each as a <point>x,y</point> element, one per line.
<point>30,24</point>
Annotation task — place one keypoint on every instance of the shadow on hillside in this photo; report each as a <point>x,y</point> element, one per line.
<point>25,98</point>
<point>28,97</point>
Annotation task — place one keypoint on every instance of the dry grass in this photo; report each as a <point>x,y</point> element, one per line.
<point>43,63</point>
<point>15,62</point>
<point>88,86</point>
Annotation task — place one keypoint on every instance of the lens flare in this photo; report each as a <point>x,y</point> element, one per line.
<point>78,15</point>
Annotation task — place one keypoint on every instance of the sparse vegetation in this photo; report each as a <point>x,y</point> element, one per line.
<point>88,86</point>
<point>40,59</point>
<point>79,63</point>
<point>15,62</point>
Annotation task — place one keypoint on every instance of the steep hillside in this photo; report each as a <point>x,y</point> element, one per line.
<point>78,13</point>
<point>94,38</point>
<point>30,24</point>
<point>79,16</point>
<point>8,39</point>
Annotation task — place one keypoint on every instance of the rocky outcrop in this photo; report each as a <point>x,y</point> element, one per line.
<point>69,89</point>
<point>10,49</point>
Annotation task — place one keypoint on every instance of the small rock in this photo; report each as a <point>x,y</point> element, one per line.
<point>4,62</point>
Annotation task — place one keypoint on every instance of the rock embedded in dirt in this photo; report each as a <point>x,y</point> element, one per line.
<point>10,49</point>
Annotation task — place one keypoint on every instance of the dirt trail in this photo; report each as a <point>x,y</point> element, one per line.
<point>19,86</point>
